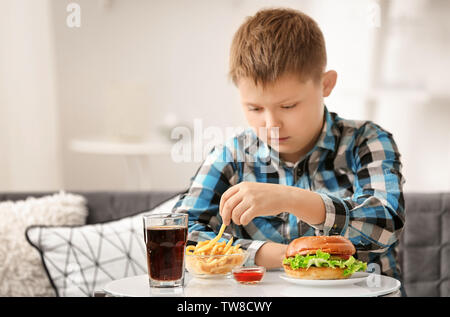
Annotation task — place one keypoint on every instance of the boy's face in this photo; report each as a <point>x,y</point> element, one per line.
<point>295,108</point>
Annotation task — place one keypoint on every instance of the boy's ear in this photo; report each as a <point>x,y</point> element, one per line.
<point>328,82</point>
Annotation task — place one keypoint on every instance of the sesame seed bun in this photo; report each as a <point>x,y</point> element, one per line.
<point>330,244</point>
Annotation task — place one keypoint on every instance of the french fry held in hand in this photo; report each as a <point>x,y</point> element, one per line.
<point>213,257</point>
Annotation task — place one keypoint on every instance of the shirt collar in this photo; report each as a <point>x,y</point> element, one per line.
<point>326,139</point>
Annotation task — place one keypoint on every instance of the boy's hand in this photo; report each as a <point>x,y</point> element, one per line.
<point>247,200</point>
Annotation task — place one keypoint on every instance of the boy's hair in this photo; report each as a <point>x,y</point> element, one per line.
<point>275,42</point>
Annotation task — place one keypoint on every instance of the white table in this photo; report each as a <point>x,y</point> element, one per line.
<point>271,286</point>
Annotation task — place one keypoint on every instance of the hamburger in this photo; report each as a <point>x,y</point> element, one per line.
<point>321,258</point>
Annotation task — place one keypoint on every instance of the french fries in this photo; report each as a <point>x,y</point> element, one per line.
<point>213,257</point>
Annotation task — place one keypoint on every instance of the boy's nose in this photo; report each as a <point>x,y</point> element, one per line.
<point>272,121</point>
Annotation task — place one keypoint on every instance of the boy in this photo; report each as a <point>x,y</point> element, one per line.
<point>323,175</point>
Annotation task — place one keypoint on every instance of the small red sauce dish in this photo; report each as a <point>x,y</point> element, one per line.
<point>248,274</point>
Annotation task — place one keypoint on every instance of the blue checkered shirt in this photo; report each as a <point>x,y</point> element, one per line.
<point>355,167</point>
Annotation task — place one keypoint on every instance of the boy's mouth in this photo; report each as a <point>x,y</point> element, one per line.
<point>280,140</point>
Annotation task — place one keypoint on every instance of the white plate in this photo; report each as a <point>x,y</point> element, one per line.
<point>355,278</point>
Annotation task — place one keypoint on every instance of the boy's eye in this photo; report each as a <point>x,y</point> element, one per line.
<point>251,108</point>
<point>288,106</point>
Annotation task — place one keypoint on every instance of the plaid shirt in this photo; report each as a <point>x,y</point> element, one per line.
<point>355,167</point>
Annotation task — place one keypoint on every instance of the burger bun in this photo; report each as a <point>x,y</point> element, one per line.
<point>316,273</point>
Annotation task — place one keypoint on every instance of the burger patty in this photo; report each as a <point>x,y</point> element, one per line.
<point>334,256</point>
<point>339,256</point>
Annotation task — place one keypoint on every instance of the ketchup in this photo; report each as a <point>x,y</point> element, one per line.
<point>248,275</point>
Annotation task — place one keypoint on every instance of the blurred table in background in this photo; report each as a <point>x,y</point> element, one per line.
<point>136,155</point>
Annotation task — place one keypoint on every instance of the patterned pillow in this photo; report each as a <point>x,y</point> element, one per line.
<point>81,259</point>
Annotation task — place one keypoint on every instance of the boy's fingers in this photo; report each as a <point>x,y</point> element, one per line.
<point>228,207</point>
<point>238,211</point>
<point>246,216</point>
<point>226,195</point>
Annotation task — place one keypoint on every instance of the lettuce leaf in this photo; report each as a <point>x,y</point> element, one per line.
<point>324,259</point>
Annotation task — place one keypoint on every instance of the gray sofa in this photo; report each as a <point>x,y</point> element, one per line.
<point>424,249</point>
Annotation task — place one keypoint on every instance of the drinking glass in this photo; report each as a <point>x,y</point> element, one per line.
<point>165,239</point>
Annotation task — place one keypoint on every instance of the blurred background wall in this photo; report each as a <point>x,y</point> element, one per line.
<point>91,107</point>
